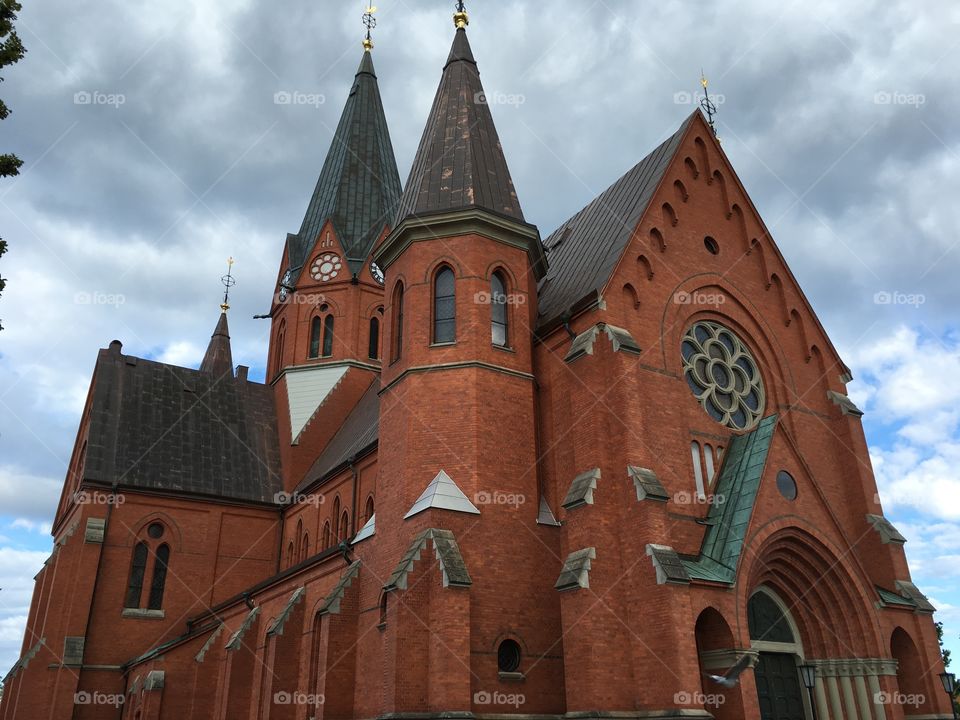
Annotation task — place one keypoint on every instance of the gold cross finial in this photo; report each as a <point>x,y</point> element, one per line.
<point>370,22</point>
<point>460,17</point>
<point>228,282</point>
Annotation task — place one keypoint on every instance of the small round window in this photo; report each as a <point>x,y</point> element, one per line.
<point>723,375</point>
<point>508,656</point>
<point>712,246</point>
<point>155,530</point>
<point>787,485</point>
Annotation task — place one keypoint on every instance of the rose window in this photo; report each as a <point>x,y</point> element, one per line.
<point>723,375</point>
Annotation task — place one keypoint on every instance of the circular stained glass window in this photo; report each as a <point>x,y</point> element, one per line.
<point>787,485</point>
<point>155,530</point>
<point>723,375</point>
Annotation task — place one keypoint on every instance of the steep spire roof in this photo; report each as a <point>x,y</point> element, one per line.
<point>218,359</point>
<point>359,185</point>
<point>460,162</point>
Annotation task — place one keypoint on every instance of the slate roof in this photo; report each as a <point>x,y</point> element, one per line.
<point>359,431</point>
<point>727,521</point>
<point>584,250</point>
<point>460,162</point>
<point>359,186</point>
<point>161,427</point>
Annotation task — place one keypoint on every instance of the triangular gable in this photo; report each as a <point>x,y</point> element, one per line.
<point>307,389</point>
<point>443,494</point>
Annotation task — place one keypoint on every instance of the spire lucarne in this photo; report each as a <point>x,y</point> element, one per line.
<point>359,185</point>
<point>460,163</point>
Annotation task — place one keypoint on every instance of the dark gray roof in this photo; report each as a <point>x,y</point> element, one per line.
<point>576,570</point>
<point>460,162</point>
<point>160,427</point>
<point>360,430</point>
<point>359,185</point>
<point>584,250</point>
<point>581,489</point>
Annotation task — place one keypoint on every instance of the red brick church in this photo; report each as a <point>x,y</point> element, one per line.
<point>488,475</point>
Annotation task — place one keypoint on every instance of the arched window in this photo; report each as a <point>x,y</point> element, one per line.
<point>328,336</point>
<point>297,535</point>
<point>314,338</point>
<point>344,526</point>
<point>368,510</point>
<point>159,577</point>
<point>305,547</point>
<point>137,570</point>
<point>374,350</point>
<point>278,352</point>
<point>444,307</point>
<point>397,323</point>
<point>326,535</point>
<point>290,554</point>
<point>498,310</point>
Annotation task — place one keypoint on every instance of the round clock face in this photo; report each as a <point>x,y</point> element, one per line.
<point>376,272</point>
<point>326,267</point>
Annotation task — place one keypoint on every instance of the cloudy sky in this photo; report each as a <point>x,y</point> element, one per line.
<point>154,149</point>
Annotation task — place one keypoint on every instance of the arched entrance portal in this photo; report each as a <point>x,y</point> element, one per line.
<point>773,634</point>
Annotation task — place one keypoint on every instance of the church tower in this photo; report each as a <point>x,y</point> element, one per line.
<point>458,446</point>
<point>327,311</point>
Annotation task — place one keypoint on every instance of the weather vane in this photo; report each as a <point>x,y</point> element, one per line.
<point>707,104</point>
<point>228,282</point>
<point>460,18</point>
<point>369,22</point>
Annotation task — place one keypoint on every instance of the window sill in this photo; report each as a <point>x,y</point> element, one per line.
<point>143,614</point>
<point>443,344</point>
<point>512,676</point>
<point>504,348</point>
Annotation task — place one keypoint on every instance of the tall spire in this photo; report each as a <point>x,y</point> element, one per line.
<point>218,360</point>
<point>460,163</point>
<point>359,185</point>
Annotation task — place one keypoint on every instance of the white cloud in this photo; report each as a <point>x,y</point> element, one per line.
<point>25,524</point>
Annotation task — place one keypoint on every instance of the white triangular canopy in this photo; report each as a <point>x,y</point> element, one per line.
<point>307,389</point>
<point>442,493</point>
<point>369,528</point>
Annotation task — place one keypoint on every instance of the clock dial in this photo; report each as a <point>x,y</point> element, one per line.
<point>376,272</point>
<point>326,267</point>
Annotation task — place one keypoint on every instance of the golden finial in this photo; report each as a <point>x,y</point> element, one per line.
<point>370,22</point>
<point>228,282</point>
<point>460,17</point>
<point>707,104</point>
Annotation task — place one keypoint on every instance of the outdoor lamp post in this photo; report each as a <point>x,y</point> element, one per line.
<point>809,675</point>
<point>949,681</point>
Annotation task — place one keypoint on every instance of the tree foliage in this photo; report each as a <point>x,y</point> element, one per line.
<point>11,51</point>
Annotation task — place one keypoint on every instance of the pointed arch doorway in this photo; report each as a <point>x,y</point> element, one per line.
<point>774,635</point>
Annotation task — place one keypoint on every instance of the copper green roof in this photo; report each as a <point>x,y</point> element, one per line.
<point>359,186</point>
<point>735,494</point>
